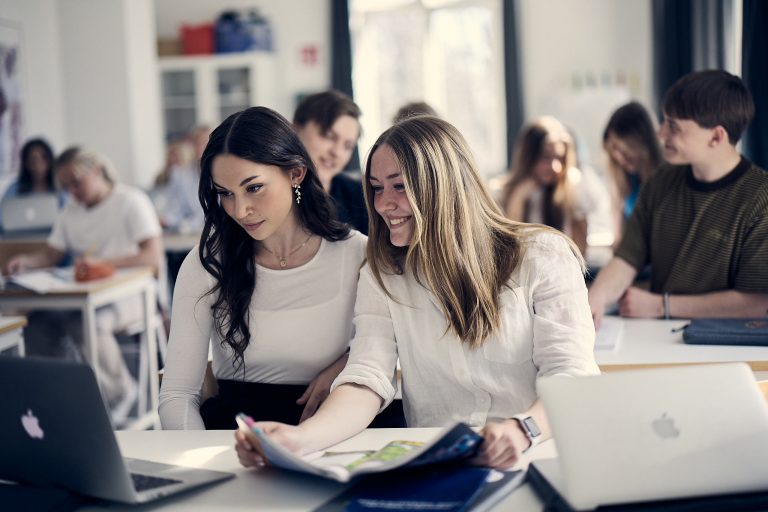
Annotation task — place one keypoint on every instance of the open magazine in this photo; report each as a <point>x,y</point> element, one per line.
<point>455,443</point>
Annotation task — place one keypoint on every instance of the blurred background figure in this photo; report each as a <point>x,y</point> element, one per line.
<point>329,127</point>
<point>545,186</point>
<point>35,173</point>
<point>179,153</point>
<point>634,155</point>
<point>175,193</point>
<point>414,108</point>
<point>105,223</point>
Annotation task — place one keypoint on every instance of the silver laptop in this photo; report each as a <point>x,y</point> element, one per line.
<point>656,434</point>
<point>54,431</point>
<point>33,213</point>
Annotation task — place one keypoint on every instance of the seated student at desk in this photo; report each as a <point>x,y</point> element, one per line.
<point>271,286</point>
<point>107,222</point>
<point>35,173</point>
<point>477,307</point>
<point>702,222</point>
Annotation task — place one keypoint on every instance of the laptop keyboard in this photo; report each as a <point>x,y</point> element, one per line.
<point>147,482</point>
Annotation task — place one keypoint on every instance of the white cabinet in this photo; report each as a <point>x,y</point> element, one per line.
<point>206,89</point>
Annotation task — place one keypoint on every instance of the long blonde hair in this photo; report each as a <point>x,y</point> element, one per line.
<point>462,249</point>
<point>530,143</point>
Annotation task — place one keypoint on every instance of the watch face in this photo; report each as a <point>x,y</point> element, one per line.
<point>530,425</point>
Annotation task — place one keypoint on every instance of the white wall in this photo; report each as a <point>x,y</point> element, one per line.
<point>40,67</point>
<point>565,41</point>
<point>295,24</point>
<point>146,138</point>
<point>109,67</point>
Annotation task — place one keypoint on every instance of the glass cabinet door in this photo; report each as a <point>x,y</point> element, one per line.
<point>234,90</point>
<point>179,103</point>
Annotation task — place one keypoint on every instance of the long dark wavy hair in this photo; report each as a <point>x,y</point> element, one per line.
<point>25,175</point>
<point>226,251</point>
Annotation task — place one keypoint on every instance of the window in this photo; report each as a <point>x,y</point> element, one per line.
<point>447,53</point>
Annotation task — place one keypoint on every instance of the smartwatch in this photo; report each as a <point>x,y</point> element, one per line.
<point>530,428</point>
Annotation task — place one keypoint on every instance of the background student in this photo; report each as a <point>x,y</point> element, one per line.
<point>328,126</point>
<point>178,204</point>
<point>634,155</point>
<point>701,222</point>
<point>457,291</point>
<point>35,174</point>
<point>546,187</point>
<point>271,285</point>
<point>105,223</point>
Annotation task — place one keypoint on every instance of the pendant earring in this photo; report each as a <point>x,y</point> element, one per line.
<point>297,189</point>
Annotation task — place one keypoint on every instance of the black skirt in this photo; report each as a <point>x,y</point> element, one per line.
<point>272,402</point>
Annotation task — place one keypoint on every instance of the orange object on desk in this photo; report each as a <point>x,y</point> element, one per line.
<point>93,271</point>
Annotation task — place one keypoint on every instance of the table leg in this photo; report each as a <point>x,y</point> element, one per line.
<point>90,337</point>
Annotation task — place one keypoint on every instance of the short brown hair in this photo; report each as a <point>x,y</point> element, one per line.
<point>324,108</point>
<point>711,98</point>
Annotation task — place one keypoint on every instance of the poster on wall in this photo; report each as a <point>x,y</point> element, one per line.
<point>10,98</point>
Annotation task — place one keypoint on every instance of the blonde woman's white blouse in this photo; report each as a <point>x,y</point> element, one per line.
<point>546,330</point>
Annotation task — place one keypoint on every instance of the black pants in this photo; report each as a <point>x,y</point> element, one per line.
<point>272,402</point>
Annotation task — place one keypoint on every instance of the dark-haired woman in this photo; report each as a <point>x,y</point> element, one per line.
<point>35,173</point>
<point>272,283</point>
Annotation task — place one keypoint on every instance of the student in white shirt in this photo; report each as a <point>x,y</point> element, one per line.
<point>477,307</point>
<point>105,223</point>
<point>271,285</point>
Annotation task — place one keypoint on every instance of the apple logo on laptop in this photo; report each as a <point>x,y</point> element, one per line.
<point>31,424</point>
<point>664,427</point>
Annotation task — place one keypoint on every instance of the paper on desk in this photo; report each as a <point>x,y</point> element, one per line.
<point>610,332</point>
<point>44,280</point>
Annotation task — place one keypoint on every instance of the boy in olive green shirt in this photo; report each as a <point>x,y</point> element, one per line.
<point>702,222</point>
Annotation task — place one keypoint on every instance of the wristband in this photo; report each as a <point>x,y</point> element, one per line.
<point>666,305</point>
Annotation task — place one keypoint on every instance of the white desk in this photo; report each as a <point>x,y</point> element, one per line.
<point>11,335</point>
<point>87,297</point>
<point>268,489</point>
<point>180,242</point>
<point>647,343</point>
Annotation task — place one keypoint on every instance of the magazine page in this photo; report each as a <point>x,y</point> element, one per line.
<point>457,442</point>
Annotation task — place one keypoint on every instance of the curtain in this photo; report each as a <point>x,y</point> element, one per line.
<point>512,76</point>
<point>755,74</point>
<point>341,60</point>
<point>672,43</point>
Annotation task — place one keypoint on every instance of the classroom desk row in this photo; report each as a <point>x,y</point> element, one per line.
<point>641,344</point>
<point>87,298</point>
<point>270,489</point>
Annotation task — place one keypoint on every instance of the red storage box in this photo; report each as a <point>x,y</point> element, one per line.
<point>197,39</point>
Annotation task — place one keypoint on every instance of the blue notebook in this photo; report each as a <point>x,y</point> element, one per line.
<point>446,488</point>
<point>727,331</point>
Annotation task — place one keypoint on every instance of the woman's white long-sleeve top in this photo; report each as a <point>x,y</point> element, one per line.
<point>546,329</point>
<point>300,322</point>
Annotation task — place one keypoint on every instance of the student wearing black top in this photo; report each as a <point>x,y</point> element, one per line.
<point>327,124</point>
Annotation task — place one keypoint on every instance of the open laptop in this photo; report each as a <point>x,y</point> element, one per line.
<point>29,214</point>
<point>54,431</point>
<point>656,434</point>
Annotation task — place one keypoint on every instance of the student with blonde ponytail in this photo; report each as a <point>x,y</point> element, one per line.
<point>476,307</point>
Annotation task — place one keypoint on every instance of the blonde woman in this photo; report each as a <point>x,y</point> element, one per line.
<point>476,307</point>
<point>545,186</point>
<point>105,222</point>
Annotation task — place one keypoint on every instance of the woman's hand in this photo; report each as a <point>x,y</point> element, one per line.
<point>320,387</point>
<point>248,447</point>
<point>503,443</point>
